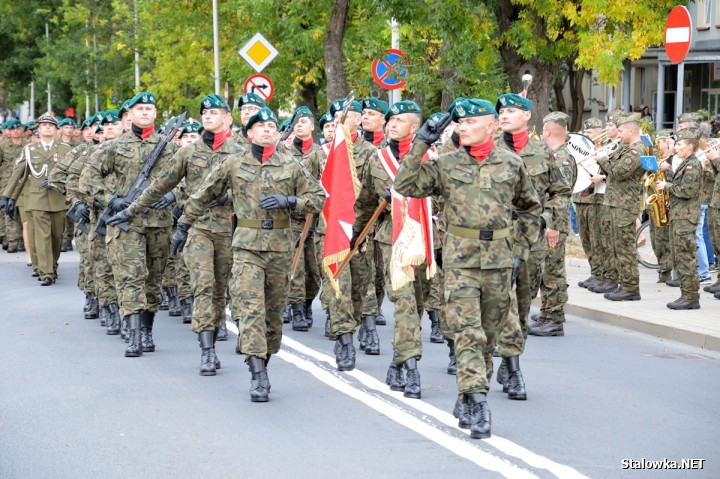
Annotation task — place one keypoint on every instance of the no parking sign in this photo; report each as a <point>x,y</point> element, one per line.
<point>391,69</point>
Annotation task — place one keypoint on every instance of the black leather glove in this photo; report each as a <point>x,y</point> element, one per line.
<point>46,184</point>
<point>353,240</point>
<point>177,211</point>
<point>119,204</point>
<point>3,202</point>
<point>119,218</point>
<point>10,208</point>
<point>432,130</point>
<point>83,211</point>
<point>543,226</point>
<point>517,263</point>
<point>179,238</point>
<point>220,201</point>
<point>278,202</point>
<point>97,205</point>
<point>388,195</point>
<point>438,258</point>
<point>165,201</point>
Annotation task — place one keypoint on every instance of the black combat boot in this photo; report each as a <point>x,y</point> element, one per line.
<point>134,348</point>
<point>622,295</point>
<point>372,341</point>
<point>345,352</point>
<point>146,324</point>
<point>605,287</point>
<point>462,412</point>
<point>259,379</point>
<point>479,416</point>
<point>412,384</point>
<point>215,339</point>
<point>104,313</point>
<point>222,332</point>
<point>66,246</point>
<point>684,303</point>
<point>298,317</point>
<point>308,312</point>
<point>328,332</point>
<point>93,311</point>
<point>452,365</point>
<point>207,357</point>
<point>503,375</point>
<point>186,306</point>
<point>395,377</point>
<point>165,303</point>
<point>515,382</point>
<point>124,329</point>
<point>287,314</point>
<point>361,336</point>
<point>435,335</point>
<point>380,319</point>
<point>174,307</point>
<point>88,302</point>
<point>113,320</point>
<point>20,248</point>
<point>546,327</point>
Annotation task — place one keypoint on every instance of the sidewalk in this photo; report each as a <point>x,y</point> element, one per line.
<point>699,328</point>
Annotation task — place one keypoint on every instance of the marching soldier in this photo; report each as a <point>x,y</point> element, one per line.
<point>484,186</point>
<point>265,186</point>
<point>248,104</point>
<point>327,127</point>
<point>373,120</point>
<point>9,154</point>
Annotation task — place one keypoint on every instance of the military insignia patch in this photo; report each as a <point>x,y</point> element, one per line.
<point>503,101</point>
<point>337,105</point>
<point>395,110</point>
<point>689,168</point>
<point>460,111</point>
<point>264,115</point>
<point>73,151</point>
<point>145,98</point>
<point>634,152</point>
<point>207,103</point>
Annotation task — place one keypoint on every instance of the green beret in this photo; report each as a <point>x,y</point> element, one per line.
<point>436,116</point>
<point>95,118</point>
<point>689,134</point>
<point>31,125</point>
<point>338,105</point>
<point>455,103</point>
<point>403,106</point>
<point>613,116</point>
<point>142,98</point>
<point>375,105</point>
<point>66,122</point>
<point>263,116</point>
<point>693,117</point>
<point>557,117</point>
<point>46,118</point>
<point>665,133</point>
<point>162,129</point>
<point>110,116</point>
<point>628,118</point>
<point>513,100</point>
<point>213,101</point>
<point>191,127</point>
<point>326,118</point>
<point>284,125</point>
<point>302,112</point>
<point>12,124</point>
<point>592,122</point>
<point>251,99</point>
<point>124,108</point>
<point>472,107</point>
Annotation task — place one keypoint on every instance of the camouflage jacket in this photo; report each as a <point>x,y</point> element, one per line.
<point>684,187</point>
<point>710,172</point>
<point>298,220</point>
<point>189,167</point>
<point>479,196</point>
<point>72,183</point>
<point>715,197</point>
<point>9,155</point>
<point>59,175</point>
<point>568,168</point>
<point>623,179</point>
<point>248,181</point>
<point>124,157</point>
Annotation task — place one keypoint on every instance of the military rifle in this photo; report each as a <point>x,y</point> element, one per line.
<point>80,222</point>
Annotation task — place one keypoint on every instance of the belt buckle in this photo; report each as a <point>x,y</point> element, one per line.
<point>486,235</point>
<point>266,224</point>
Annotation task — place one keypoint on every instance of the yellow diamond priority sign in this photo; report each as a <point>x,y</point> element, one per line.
<point>258,52</point>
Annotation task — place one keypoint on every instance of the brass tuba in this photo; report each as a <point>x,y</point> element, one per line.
<point>657,202</point>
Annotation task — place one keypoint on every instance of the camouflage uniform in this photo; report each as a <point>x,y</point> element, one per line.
<point>207,252</point>
<point>622,198</point>
<point>662,245</point>
<point>11,227</point>
<point>477,271</point>
<point>712,183</point>
<point>142,250</point>
<point>262,243</point>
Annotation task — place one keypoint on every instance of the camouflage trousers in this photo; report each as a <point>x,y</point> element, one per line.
<point>86,277</point>
<point>105,282</point>
<point>306,283</point>
<point>408,302</point>
<point>371,306</point>
<point>176,274</point>
<point>12,230</point>
<point>68,233</point>
<point>208,257</point>
<point>553,287</point>
<point>435,301</point>
<point>602,243</point>
<point>623,258</point>
<point>168,276</point>
<point>685,257</point>
<point>588,224</point>
<point>47,240</point>
<point>713,218</point>
<point>259,286</point>
<point>326,291</point>
<point>379,269</point>
<point>514,330</point>
<point>140,256</point>
<point>476,304</point>
<point>662,247</point>
<point>26,218</point>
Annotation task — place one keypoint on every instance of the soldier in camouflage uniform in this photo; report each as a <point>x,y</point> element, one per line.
<point>554,193</point>
<point>9,154</point>
<point>684,187</point>
<point>484,187</point>
<point>265,185</point>
<point>207,253</point>
<point>66,128</point>
<point>553,288</point>
<point>661,242</point>
<point>140,252</point>
<point>623,198</point>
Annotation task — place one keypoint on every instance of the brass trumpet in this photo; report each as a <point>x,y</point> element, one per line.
<point>608,149</point>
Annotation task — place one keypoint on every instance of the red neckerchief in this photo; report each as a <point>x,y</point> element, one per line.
<point>377,137</point>
<point>480,152</point>
<point>220,138</point>
<point>404,146</point>
<point>306,145</point>
<point>267,153</point>
<point>147,132</point>
<point>353,137</point>
<point>516,141</point>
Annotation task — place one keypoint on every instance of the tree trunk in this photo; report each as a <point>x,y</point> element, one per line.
<point>337,86</point>
<point>575,79</point>
<point>308,96</point>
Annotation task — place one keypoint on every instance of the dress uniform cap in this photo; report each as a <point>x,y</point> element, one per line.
<point>47,118</point>
<point>251,99</point>
<point>264,115</point>
<point>692,116</point>
<point>375,105</point>
<point>592,122</point>
<point>213,101</point>
<point>403,106</point>
<point>557,117</point>
<point>142,98</point>
<point>326,118</point>
<point>471,107</point>
<point>689,134</point>
<point>302,112</point>
<point>12,124</point>
<point>338,105</point>
<point>513,100</point>
<point>628,118</point>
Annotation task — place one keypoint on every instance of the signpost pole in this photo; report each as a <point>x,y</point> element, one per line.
<point>394,95</point>
<point>216,47</point>
<point>660,110</point>
<point>680,89</point>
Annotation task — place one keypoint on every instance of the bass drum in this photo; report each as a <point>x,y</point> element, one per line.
<point>582,149</point>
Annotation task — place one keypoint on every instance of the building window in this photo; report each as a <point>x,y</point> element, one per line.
<point>704,16</point>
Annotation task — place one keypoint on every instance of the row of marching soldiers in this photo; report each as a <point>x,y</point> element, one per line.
<point>464,212</point>
<point>681,193</point>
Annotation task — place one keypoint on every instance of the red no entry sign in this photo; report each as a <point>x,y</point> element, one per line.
<point>260,85</point>
<point>678,34</point>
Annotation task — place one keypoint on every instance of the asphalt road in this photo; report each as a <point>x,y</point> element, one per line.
<point>71,405</point>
